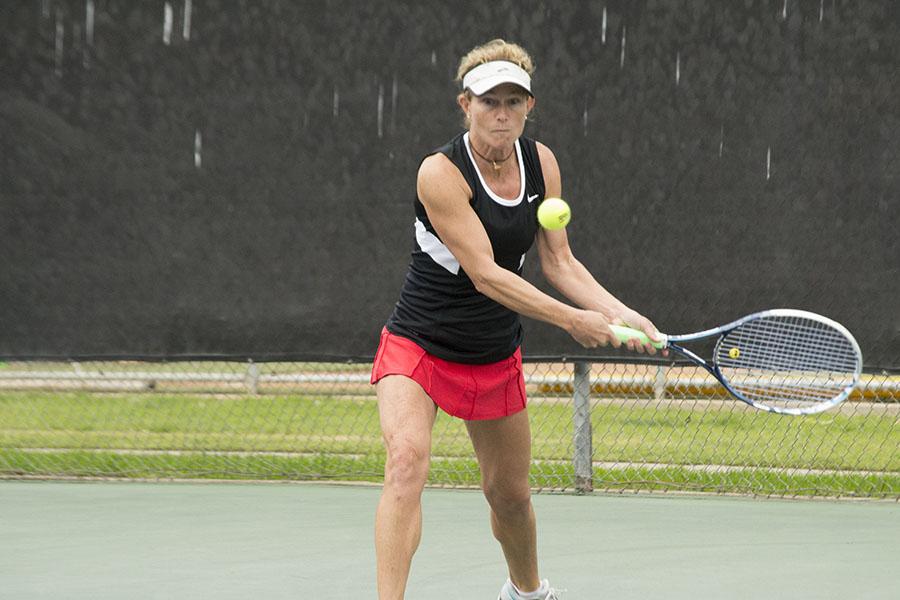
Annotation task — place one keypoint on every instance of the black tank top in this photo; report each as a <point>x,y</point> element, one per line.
<point>439,307</point>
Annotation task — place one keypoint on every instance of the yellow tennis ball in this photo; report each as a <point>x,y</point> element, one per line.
<point>554,213</point>
<point>734,353</point>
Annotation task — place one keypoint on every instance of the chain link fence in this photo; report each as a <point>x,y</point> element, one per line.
<point>600,426</point>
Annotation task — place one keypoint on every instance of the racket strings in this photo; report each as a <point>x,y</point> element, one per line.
<point>774,344</point>
<point>787,360</point>
<point>803,347</point>
<point>771,347</point>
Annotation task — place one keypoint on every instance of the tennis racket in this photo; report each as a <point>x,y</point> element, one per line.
<point>784,361</point>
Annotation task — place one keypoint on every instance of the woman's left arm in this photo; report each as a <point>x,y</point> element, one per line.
<point>566,273</point>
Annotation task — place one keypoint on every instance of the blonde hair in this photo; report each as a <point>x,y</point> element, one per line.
<point>494,50</point>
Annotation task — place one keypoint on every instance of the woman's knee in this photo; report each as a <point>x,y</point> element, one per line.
<point>508,499</point>
<point>406,466</point>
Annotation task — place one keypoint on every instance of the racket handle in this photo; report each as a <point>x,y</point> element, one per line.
<point>627,333</point>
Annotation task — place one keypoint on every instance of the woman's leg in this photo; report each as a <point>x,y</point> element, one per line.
<point>503,447</point>
<point>407,417</point>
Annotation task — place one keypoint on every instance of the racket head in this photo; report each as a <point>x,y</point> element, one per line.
<point>788,361</point>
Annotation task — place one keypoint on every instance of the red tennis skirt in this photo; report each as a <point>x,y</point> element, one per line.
<point>470,392</point>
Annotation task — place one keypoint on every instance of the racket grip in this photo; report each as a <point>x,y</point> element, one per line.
<point>627,333</point>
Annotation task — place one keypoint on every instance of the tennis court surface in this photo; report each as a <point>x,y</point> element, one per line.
<point>80,540</point>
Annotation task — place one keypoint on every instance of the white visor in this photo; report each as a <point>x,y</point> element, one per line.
<point>489,75</point>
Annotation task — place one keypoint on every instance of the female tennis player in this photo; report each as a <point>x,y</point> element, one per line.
<point>453,339</point>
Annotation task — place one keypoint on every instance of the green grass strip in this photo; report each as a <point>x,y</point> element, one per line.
<point>158,435</point>
<point>449,472</point>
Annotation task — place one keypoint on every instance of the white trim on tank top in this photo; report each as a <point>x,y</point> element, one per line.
<point>431,245</point>
<point>495,197</point>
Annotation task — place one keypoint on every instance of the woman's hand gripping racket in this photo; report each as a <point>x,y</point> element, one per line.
<point>784,361</point>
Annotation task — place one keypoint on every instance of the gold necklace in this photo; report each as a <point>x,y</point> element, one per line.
<point>493,162</point>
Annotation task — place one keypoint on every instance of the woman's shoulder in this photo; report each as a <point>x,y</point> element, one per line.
<point>436,164</point>
<point>549,164</point>
<point>541,146</point>
<point>543,151</point>
<point>437,171</point>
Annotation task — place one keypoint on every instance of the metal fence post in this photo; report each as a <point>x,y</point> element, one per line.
<point>252,378</point>
<point>582,440</point>
<point>659,383</point>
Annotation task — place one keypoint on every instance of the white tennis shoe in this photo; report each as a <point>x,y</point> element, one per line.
<point>508,592</point>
